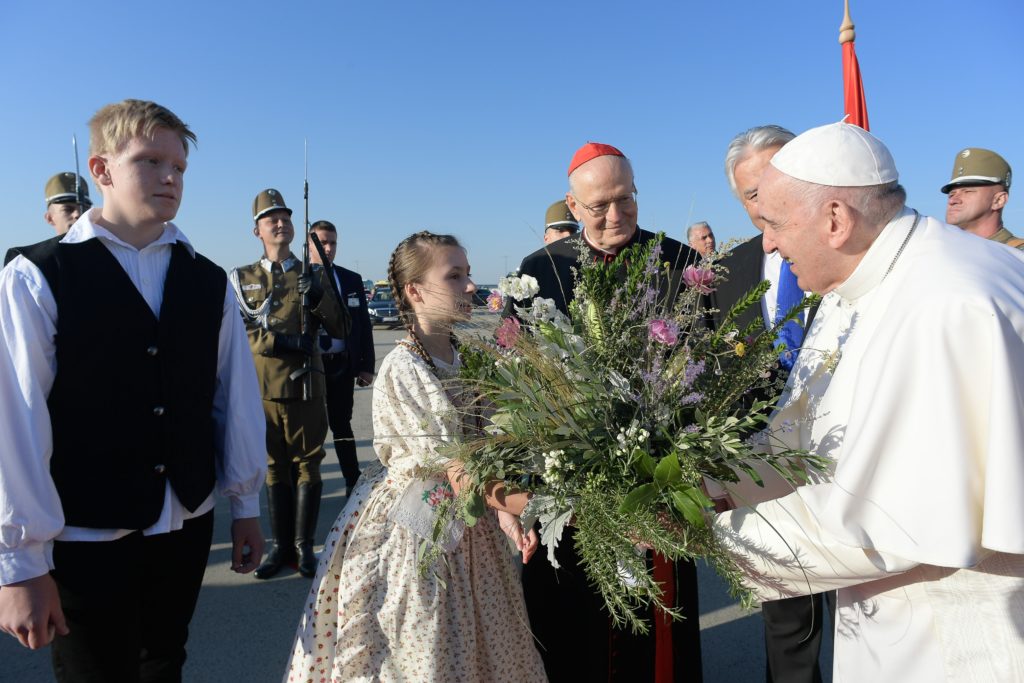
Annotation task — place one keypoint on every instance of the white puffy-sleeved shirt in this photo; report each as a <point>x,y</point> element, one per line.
<point>30,510</point>
<point>912,381</point>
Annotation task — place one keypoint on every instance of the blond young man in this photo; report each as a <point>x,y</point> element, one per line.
<point>107,503</point>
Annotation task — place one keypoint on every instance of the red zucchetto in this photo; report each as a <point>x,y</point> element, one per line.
<point>589,151</point>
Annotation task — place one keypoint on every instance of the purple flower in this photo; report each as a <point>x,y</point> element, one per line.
<point>663,331</point>
<point>693,370</point>
<point>691,398</point>
<point>507,333</point>
<point>495,301</point>
<point>701,279</point>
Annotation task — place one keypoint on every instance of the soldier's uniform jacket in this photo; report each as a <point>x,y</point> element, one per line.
<point>254,285</point>
<point>1004,236</point>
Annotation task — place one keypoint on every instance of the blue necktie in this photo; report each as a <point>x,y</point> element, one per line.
<point>792,333</point>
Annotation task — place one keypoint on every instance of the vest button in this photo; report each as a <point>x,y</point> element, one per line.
<point>160,469</point>
<point>152,350</point>
<point>158,411</point>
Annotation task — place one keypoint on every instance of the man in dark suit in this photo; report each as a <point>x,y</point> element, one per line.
<point>567,615</point>
<point>792,626</point>
<point>348,361</point>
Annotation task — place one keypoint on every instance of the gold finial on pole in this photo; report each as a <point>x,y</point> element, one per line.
<point>846,33</point>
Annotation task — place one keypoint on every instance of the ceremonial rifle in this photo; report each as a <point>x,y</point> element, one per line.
<point>307,364</point>
<point>306,325</point>
<point>78,182</point>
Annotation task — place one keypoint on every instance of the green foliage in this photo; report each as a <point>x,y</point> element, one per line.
<point>614,429</point>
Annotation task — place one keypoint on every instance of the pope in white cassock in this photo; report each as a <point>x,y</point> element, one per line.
<point>911,379</point>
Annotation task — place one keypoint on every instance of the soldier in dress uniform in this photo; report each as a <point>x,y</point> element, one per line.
<point>559,222</point>
<point>978,191</point>
<point>64,205</point>
<point>270,293</point>
<point>65,202</point>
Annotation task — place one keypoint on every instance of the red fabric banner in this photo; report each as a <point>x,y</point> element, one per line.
<point>853,89</point>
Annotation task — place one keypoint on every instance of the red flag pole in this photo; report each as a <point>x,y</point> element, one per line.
<point>853,87</point>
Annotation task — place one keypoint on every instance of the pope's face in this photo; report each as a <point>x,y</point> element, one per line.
<point>275,229</point>
<point>605,184</point>
<point>747,175</point>
<point>797,231</point>
<point>966,205</point>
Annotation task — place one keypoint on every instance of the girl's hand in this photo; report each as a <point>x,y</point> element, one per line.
<point>525,543</point>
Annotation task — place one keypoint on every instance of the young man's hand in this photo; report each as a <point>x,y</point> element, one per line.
<point>30,611</point>
<point>246,544</point>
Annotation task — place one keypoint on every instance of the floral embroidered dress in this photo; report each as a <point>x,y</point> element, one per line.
<point>371,615</point>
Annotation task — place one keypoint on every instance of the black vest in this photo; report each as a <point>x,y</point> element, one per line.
<point>132,402</point>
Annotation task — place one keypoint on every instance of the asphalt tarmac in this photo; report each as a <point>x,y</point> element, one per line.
<point>243,628</point>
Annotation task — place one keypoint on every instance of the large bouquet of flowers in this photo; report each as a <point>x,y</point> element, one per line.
<point>614,415</point>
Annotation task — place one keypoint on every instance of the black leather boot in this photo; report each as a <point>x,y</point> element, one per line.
<point>307,509</point>
<point>281,503</point>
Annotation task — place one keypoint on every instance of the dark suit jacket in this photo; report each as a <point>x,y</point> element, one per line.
<point>745,268</point>
<point>744,264</point>
<point>359,342</point>
<point>552,265</point>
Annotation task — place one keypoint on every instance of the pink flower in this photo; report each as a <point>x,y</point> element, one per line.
<point>507,333</point>
<point>495,301</point>
<point>701,279</point>
<point>663,332</point>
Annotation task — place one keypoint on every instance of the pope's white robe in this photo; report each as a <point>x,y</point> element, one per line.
<point>913,383</point>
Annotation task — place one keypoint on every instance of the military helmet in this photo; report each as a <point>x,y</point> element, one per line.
<point>60,189</point>
<point>976,166</point>
<point>267,201</point>
<point>558,217</point>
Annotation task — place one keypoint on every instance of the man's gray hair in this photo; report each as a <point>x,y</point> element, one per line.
<point>876,204</point>
<point>698,224</point>
<point>753,140</point>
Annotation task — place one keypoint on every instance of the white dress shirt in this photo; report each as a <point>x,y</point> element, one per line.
<point>771,267</point>
<point>31,516</point>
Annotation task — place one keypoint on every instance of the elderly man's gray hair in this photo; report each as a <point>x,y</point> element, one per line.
<point>698,224</point>
<point>752,140</point>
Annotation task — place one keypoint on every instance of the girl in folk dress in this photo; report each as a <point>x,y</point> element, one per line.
<point>371,614</point>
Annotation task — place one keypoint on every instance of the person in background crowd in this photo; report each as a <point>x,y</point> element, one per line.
<point>559,222</point>
<point>700,238</point>
<point>349,361</point>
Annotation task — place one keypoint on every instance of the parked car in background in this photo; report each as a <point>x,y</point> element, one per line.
<point>480,296</point>
<point>382,308</point>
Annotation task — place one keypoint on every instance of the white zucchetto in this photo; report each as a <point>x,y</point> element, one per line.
<point>837,155</point>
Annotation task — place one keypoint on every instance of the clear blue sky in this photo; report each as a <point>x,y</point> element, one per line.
<point>462,116</point>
